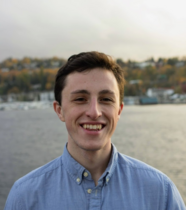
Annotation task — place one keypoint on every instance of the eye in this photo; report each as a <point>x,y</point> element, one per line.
<point>80,99</point>
<point>106,99</point>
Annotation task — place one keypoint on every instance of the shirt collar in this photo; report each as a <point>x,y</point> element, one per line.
<point>111,165</point>
<point>76,170</point>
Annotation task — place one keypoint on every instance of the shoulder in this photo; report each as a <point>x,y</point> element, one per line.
<point>41,172</point>
<point>32,183</point>
<point>148,179</point>
<point>34,180</point>
<point>140,170</point>
<point>136,165</point>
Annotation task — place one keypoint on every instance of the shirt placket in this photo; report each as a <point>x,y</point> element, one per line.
<point>93,193</point>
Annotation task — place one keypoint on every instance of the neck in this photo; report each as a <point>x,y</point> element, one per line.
<point>94,161</point>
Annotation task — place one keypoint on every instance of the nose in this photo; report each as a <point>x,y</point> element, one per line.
<point>93,110</point>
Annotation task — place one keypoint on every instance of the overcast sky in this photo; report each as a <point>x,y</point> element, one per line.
<point>127,29</point>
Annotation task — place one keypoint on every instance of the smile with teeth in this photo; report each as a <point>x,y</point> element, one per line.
<point>92,127</point>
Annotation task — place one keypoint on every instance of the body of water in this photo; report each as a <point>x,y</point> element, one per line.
<point>154,134</point>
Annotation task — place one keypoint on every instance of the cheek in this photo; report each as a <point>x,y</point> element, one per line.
<point>115,120</point>
<point>71,116</point>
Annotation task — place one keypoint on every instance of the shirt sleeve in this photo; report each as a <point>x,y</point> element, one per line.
<point>13,201</point>
<point>174,199</point>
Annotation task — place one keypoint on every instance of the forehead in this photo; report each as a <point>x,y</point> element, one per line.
<point>92,79</point>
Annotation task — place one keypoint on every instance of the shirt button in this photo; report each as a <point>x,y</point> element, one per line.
<point>85,174</point>
<point>78,180</point>
<point>89,191</point>
<point>107,179</point>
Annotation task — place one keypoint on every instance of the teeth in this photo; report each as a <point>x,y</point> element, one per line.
<point>92,127</point>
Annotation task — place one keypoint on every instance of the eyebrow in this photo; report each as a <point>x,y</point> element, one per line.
<point>107,92</point>
<point>88,93</point>
<point>80,91</point>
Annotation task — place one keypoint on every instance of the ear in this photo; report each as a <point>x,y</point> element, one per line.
<point>59,111</point>
<point>120,110</point>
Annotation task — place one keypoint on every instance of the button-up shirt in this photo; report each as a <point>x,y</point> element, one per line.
<point>64,184</point>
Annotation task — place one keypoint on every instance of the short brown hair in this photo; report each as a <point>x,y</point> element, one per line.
<point>86,61</point>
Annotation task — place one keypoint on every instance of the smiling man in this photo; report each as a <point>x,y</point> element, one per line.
<point>91,173</point>
<point>90,107</point>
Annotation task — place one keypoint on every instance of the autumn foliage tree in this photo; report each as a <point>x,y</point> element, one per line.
<point>37,74</point>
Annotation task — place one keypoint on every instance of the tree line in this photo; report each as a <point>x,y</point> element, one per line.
<point>28,74</point>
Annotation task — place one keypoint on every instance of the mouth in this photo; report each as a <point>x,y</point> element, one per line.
<point>93,127</point>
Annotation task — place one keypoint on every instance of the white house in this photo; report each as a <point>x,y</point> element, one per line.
<point>47,96</point>
<point>144,64</point>
<point>159,92</point>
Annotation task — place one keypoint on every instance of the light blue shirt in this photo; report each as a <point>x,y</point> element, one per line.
<point>64,184</point>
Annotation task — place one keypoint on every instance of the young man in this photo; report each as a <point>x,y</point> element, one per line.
<point>91,174</point>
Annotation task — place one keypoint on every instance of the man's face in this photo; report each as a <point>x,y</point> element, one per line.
<point>90,108</point>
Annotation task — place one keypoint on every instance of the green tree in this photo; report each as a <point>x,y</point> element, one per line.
<point>120,62</point>
<point>172,61</point>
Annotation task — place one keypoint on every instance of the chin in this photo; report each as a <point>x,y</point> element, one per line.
<point>92,147</point>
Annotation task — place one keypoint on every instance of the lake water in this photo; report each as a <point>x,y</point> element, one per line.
<point>154,134</point>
